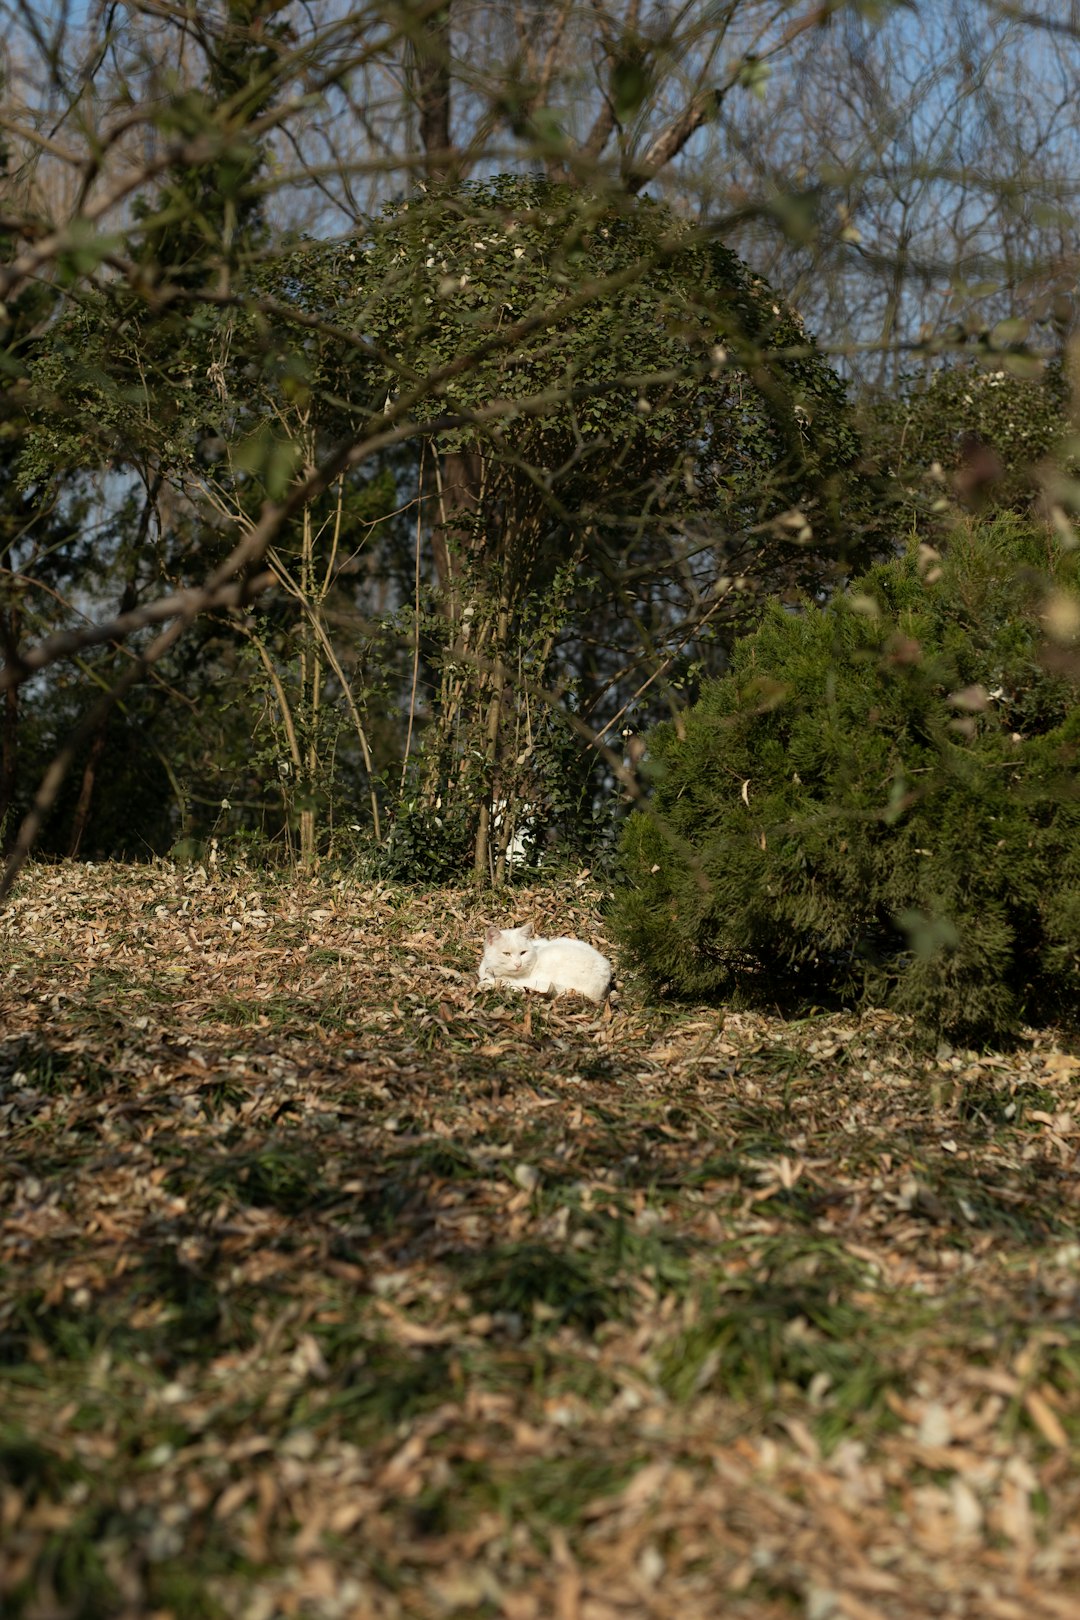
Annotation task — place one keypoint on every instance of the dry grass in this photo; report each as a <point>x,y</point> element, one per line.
<point>333,1286</point>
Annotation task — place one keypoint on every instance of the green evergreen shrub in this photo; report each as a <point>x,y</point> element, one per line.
<point>879,804</point>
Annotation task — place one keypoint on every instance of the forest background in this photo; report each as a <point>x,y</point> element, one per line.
<point>405,404</point>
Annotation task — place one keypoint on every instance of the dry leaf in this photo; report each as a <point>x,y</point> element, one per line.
<point>1045,1418</point>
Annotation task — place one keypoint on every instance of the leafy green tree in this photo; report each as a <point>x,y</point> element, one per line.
<point>633,454</point>
<point>133,378</point>
<point>36,535</point>
<point>123,377</point>
<point>879,803</point>
<point>615,395</point>
<point>979,430</point>
<point>615,404</point>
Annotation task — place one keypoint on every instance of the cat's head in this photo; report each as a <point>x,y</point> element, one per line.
<point>510,950</point>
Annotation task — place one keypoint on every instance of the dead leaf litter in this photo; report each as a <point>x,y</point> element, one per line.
<point>336,1286</point>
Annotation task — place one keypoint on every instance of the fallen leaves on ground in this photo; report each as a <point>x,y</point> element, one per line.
<point>337,1286</point>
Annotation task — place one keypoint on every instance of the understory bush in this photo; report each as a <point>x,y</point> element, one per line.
<point>1023,421</point>
<point>879,804</point>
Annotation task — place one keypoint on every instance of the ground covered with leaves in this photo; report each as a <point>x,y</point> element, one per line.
<point>333,1285</point>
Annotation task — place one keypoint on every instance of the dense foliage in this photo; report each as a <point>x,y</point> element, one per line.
<point>639,413</point>
<point>879,803</point>
<point>606,421</point>
<point>1018,420</point>
<point>611,328</point>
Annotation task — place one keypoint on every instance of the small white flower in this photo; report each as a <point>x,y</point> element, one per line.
<point>519,253</point>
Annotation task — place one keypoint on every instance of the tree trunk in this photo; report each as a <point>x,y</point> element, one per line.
<point>86,792</point>
<point>10,623</point>
<point>9,751</point>
<point>431,92</point>
<point>482,847</point>
<point>97,743</point>
<point>460,478</point>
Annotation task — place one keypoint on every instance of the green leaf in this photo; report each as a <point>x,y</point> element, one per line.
<point>631,82</point>
<point>85,250</point>
<point>754,76</point>
<point>928,937</point>
<point>547,129</point>
<point>1023,365</point>
<point>270,458</point>
<point>1008,332</point>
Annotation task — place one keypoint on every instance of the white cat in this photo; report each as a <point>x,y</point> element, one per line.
<point>518,957</point>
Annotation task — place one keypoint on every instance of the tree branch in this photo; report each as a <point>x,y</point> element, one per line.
<point>670,142</point>
<point>196,600</point>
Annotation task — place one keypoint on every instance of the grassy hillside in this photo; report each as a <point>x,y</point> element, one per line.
<point>335,1286</point>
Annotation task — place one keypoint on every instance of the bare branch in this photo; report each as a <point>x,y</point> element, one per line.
<point>670,142</point>
<point>183,604</point>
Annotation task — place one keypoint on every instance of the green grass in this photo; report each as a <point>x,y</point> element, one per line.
<point>533,1281</point>
<point>783,1326</point>
<point>51,1070</point>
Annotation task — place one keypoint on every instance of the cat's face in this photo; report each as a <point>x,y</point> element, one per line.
<point>510,950</point>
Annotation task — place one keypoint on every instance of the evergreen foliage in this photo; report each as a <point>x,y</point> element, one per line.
<point>653,367</point>
<point>629,402</point>
<point>879,803</point>
<point>1022,418</point>
<point>662,421</point>
<point>36,536</point>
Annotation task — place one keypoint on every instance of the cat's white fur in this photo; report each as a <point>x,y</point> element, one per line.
<point>518,957</point>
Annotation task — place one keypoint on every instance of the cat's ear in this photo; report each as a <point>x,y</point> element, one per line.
<point>526,931</point>
<point>491,934</point>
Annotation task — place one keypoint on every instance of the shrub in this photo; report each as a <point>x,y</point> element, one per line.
<point>879,803</point>
<point>1024,420</point>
